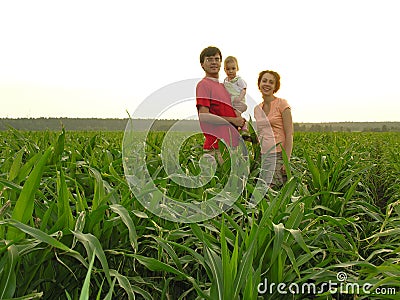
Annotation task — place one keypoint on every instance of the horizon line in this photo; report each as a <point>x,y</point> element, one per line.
<point>116,118</point>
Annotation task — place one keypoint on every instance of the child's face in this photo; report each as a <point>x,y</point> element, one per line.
<point>230,70</point>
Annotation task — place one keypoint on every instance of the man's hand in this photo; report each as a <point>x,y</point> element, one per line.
<point>206,116</point>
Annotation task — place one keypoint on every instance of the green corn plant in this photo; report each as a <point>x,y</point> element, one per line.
<point>25,203</point>
<point>8,275</point>
<point>335,177</point>
<point>65,219</point>
<point>236,263</point>
<point>338,211</point>
<point>25,252</point>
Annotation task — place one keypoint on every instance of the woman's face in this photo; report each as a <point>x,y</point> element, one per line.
<point>267,84</point>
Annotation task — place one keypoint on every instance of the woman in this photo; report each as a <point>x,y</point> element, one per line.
<point>274,127</point>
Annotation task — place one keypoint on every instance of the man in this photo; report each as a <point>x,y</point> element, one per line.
<point>217,117</point>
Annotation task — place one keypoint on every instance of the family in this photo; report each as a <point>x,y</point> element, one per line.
<point>220,107</point>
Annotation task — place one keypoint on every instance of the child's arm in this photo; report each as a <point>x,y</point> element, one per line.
<point>243,85</point>
<point>239,103</point>
<point>242,95</point>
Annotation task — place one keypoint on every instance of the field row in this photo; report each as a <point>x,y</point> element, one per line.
<point>71,227</point>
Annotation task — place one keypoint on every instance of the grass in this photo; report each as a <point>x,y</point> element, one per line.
<point>71,228</point>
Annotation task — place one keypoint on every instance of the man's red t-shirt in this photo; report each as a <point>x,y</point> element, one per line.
<point>212,94</point>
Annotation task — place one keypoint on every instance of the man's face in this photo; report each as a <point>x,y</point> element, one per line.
<point>212,65</point>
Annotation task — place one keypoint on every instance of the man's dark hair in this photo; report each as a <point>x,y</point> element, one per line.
<point>209,51</point>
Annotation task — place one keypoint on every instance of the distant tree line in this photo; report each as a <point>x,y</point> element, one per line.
<point>348,127</point>
<point>97,124</point>
<point>93,124</point>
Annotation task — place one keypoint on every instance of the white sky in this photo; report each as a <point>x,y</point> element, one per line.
<point>339,60</point>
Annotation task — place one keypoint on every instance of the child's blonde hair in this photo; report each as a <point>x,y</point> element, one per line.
<point>231,59</point>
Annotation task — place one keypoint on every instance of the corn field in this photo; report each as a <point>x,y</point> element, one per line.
<point>71,228</point>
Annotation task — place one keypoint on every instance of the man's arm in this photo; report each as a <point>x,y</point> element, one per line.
<point>206,116</point>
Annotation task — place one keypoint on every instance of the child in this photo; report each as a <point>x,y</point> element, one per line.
<point>236,87</point>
